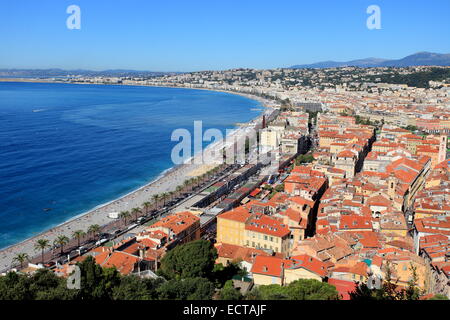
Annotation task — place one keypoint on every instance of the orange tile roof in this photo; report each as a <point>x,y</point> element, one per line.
<point>239,214</point>
<point>267,225</point>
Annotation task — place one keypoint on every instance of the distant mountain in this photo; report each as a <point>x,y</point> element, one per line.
<point>46,73</point>
<point>417,59</point>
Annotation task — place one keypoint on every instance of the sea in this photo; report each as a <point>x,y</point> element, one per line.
<point>67,148</point>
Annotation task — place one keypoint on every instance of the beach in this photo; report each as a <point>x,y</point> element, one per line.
<point>168,181</point>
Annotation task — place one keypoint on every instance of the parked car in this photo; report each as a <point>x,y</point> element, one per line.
<point>101,241</point>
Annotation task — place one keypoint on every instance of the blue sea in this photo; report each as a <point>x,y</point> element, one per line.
<point>70,147</point>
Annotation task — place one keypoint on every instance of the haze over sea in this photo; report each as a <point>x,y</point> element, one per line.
<point>70,147</point>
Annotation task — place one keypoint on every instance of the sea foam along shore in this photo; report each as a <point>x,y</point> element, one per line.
<point>166,182</point>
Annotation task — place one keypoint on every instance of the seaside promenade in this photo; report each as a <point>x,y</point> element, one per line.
<point>99,215</point>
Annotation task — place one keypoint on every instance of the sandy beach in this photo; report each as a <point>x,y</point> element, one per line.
<point>99,215</point>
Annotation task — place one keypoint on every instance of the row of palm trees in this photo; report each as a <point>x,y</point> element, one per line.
<point>42,244</point>
<point>188,185</point>
<point>93,230</point>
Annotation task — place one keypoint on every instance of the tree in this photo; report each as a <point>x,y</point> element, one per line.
<point>124,215</point>
<point>164,197</point>
<point>171,194</point>
<point>186,289</point>
<point>190,260</point>
<point>229,292</point>
<point>389,290</point>
<point>78,234</point>
<point>136,212</point>
<point>42,285</point>
<point>438,297</point>
<point>279,188</point>
<point>310,289</point>
<point>41,245</point>
<point>21,258</point>
<point>303,158</point>
<point>302,289</point>
<point>97,282</point>
<point>178,189</point>
<point>155,199</point>
<point>413,292</point>
<point>94,230</point>
<point>61,241</point>
<point>132,287</point>
<point>146,205</point>
<point>221,274</point>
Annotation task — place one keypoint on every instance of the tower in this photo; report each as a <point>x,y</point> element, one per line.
<point>392,185</point>
<point>442,148</point>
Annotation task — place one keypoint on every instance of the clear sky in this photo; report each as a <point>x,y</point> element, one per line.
<point>189,35</point>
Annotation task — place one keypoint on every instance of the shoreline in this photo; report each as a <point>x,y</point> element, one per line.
<point>166,181</point>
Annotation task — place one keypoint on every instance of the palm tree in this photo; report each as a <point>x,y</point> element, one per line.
<point>136,212</point>
<point>171,193</point>
<point>78,235</point>
<point>146,206</point>
<point>94,230</point>
<point>42,244</point>
<point>61,241</point>
<point>164,196</point>
<point>155,198</point>
<point>186,183</point>
<point>124,215</point>
<point>178,189</point>
<point>21,258</point>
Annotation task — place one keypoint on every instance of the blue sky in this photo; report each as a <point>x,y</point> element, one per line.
<point>189,35</point>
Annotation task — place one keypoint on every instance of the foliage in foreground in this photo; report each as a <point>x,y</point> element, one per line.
<point>303,289</point>
<point>196,280</point>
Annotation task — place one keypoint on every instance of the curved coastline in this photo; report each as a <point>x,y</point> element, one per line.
<point>166,181</point>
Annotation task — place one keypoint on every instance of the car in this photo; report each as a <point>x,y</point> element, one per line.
<point>101,241</point>
<point>82,249</point>
<point>105,235</point>
<point>134,225</point>
<point>140,220</point>
<point>49,264</point>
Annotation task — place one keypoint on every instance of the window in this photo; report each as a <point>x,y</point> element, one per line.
<point>265,237</point>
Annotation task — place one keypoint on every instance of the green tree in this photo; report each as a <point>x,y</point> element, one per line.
<point>229,292</point>
<point>41,245</point>
<point>136,212</point>
<point>132,287</point>
<point>302,289</point>
<point>61,241</point>
<point>193,259</point>
<point>146,205</point>
<point>310,289</point>
<point>186,289</point>
<point>439,297</point>
<point>279,188</point>
<point>78,234</point>
<point>155,199</point>
<point>93,230</point>
<point>124,215</point>
<point>221,274</point>
<point>21,258</point>
<point>389,289</point>
<point>304,158</point>
<point>96,282</point>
